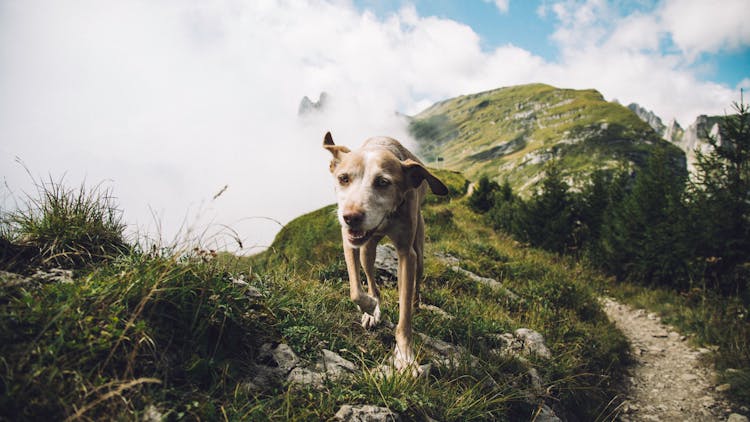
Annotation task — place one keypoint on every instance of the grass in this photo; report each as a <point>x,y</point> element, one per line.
<point>721,324</point>
<point>578,127</point>
<point>143,330</point>
<point>63,227</point>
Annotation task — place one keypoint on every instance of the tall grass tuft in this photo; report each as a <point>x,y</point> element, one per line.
<point>63,227</point>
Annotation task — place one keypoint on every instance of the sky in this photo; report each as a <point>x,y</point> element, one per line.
<point>168,102</point>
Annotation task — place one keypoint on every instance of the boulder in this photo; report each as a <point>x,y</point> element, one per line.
<point>365,413</point>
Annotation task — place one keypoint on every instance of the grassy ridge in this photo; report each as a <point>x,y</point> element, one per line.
<point>510,132</point>
<point>175,333</point>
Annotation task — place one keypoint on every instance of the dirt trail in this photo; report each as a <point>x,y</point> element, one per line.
<point>668,381</point>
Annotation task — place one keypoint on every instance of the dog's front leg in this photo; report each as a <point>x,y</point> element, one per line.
<point>404,358</point>
<point>369,305</point>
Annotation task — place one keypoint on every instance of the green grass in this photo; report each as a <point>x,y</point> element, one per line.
<point>173,331</point>
<point>582,130</point>
<point>62,227</point>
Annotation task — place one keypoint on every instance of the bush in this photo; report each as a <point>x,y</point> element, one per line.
<point>63,227</point>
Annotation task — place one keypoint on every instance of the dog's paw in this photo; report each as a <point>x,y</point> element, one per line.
<point>370,320</point>
<point>405,361</point>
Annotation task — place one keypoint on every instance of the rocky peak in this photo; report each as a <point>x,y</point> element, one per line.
<point>649,117</point>
<point>307,106</point>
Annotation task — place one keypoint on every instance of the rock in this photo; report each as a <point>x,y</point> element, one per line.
<point>303,376</point>
<point>489,282</point>
<point>279,356</point>
<point>152,414</point>
<point>386,260</point>
<point>533,343</point>
<point>724,388</point>
<point>54,275</point>
<point>334,366</point>
<point>365,413</point>
<point>736,417</point>
<point>447,258</point>
<point>436,310</point>
<point>12,279</point>
<point>546,414</point>
<point>263,378</point>
<point>448,354</point>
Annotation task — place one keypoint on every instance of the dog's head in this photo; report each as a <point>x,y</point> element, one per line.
<point>370,186</point>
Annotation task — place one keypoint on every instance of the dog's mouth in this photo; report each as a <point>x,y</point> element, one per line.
<point>358,237</point>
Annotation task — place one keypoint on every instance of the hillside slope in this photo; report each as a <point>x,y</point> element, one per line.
<point>479,287</point>
<point>512,132</point>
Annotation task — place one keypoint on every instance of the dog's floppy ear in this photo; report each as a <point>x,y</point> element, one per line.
<point>336,150</point>
<point>416,174</point>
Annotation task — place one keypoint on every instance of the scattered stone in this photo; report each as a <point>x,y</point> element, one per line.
<point>724,388</point>
<point>54,275</point>
<point>533,343</point>
<point>278,356</point>
<point>546,414</point>
<point>386,260</point>
<point>304,376</point>
<point>152,414</point>
<point>12,279</point>
<point>736,417</point>
<point>689,377</point>
<point>447,258</point>
<point>489,282</point>
<point>334,366</point>
<point>436,310</point>
<point>366,413</point>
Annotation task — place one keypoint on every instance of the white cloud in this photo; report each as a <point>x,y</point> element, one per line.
<point>173,100</point>
<point>502,5</point>
<point>699,26</point>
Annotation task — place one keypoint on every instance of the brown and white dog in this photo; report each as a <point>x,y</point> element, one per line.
<point>380,188</point>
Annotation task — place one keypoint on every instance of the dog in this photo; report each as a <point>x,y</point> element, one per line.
<point>379,190</point>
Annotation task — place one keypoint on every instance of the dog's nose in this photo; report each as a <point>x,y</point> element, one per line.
<point>354,218</point>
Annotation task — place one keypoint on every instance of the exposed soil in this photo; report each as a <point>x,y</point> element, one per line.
<point>669,381</point>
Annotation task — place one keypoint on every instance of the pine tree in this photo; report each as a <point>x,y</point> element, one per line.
<point>547,220</point>
<point>482,199</point>
<point>646,237</point>
<point>721,202</point>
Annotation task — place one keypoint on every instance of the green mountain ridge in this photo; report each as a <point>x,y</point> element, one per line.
<point>513,132</point>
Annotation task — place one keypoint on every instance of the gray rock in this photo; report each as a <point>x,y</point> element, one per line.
<point>279,356</point>
<point>53,275</point>
<point>546,414</point>
<point>724,388</point>
<point>736,417</point>
<point>304,376</point>
<point>263,378</point>
<point>152,414</point>
<point>489,282</point>
<point>366,413</point>
<point>533,343</point>
<point>334,366</point>
<point>386,260</point>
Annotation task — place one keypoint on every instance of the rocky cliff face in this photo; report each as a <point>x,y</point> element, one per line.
<point>649,117</point>
<point>694,138</point>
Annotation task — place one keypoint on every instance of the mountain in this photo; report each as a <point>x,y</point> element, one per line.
<point>649,117</point>
<point>512,132</point>
<point>695,137</point>
<point>307,106</point>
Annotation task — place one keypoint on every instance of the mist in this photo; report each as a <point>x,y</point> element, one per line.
<point>166,103</point>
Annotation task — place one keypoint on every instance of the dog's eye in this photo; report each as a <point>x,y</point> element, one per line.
<point>381,182</point>
<point>344,179</point>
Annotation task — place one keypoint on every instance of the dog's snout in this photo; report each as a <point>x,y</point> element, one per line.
<point>354,219</point>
